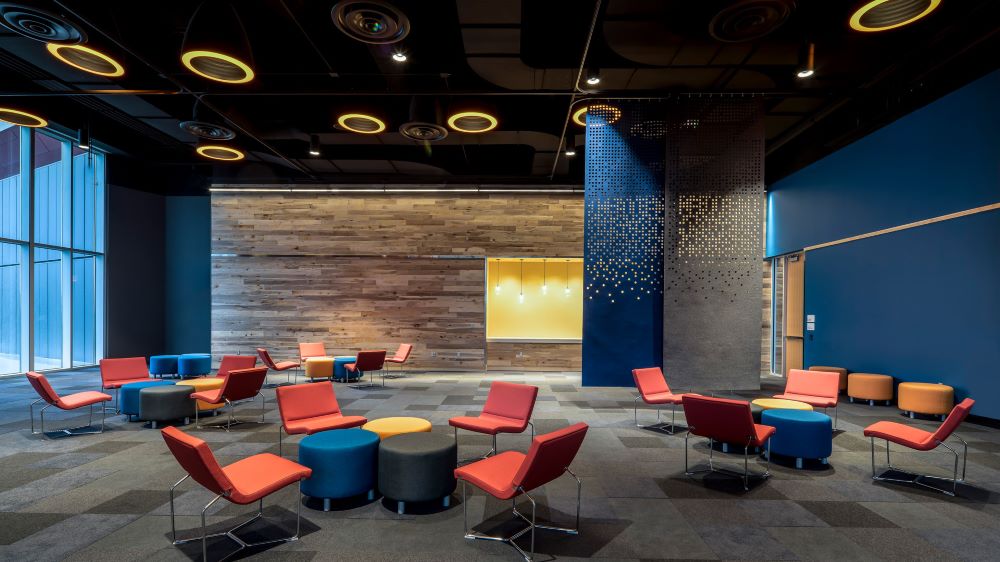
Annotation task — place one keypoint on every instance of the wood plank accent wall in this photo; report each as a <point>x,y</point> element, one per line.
<point>373,271</point>
<point>509,356</point>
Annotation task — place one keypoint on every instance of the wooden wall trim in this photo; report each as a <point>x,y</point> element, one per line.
<point>907,226</point>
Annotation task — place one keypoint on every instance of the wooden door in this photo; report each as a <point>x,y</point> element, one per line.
<point>794,320</point>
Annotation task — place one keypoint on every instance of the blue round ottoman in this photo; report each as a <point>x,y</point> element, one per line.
<point>194,364</point>
<point>343,463</point>
<point>161,365</point>
<point>128,399</point>
<point>800,434</point>
<point>339,372</point>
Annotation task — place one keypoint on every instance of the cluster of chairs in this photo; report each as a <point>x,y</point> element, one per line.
<point>731,421</point>
<point>365,361</point>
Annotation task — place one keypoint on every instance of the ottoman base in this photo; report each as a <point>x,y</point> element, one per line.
<point>328,503</point>
<point>870,402</point>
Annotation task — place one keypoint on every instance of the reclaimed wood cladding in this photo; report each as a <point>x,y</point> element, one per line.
<point>359,272</point>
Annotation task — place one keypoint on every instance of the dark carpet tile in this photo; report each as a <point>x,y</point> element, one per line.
<point>846,514</point>
<point>15,478</point>
<point>716,486</point>
<point>110,447</point>
<point>421,408</point>
<point>642,442</point>
<point>16,526</point>
<point>562,388</point>
<point>458,400</point>
<point>134,501</point>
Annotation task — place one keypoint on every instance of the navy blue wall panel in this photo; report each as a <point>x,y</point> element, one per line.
<point>940,159</point>
<point>188,303</point>
<point>921,304</point>
<point>623,242</point>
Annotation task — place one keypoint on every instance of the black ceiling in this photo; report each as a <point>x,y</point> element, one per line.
<point>520,60</point>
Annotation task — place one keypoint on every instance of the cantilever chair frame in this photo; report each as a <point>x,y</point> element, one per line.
<point>231,420</point>
<point>231,533</point>
<point>492,451</point>
<point>746,462</point>
<point>658,426</point>
<point>918,479</point>
<point>532,523</point>
<point>88,429</point>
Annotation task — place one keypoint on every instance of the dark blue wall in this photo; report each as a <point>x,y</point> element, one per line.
<point>188,299</point>
<point>920,304</point>
<point>940,159</point>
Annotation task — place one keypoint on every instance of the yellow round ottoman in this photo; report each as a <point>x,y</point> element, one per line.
<point>926,398</point>
<point>387,427</point>
<point>842,371</point>
<point>870,387</point>
<point>780,404</point>
<point>205,383</point>
<point>319,367</point>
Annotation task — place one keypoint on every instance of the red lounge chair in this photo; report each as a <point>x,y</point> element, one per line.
<point>68,402</point>
<point>653,389</point>
<point>511,474</point>
<point>116,373</point>
<point>280,366</point>
<point>243,482</point>
<point>400,357</point>
<point>242,384</point>
<point>920,440</point>
<point>235,363</point>
<point>819,389</point>
<point>507,410</point>
<point>727,421</point>
<point>311,408</point>
<point>307,350</point>
<point>367,361</point>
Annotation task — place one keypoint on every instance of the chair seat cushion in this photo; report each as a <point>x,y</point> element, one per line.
<point>210,396</point>
<point>285,365</point>
<point>257,476</point>
<point>762,434</point>
<point>493,475</point>
<point>662,398</point>
<point>814,401</point>
<point>906,435</point>
<point>488,424</point>
<point>73,401</point>
<point>323,423</point>
<point>122,382</point>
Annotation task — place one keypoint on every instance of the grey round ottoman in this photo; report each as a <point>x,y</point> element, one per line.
<point>166,403</point>
<point>417,467</point>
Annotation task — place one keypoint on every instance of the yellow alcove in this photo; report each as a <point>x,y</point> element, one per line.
<point>534,299</point>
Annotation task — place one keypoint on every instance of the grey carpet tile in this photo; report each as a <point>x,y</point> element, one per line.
<point>896,544</point>
<point>846,514</point>
<point>643,442</point>
<point>964,544</point>
<point>16,526</point>
<point>134,501</point>
<point>742,543</point>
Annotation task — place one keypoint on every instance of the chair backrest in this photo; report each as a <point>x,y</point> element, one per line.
<point>314,349</point>
<point>235,362</point>
<point>197,459</point>
<point>403,352</point>
<point>813,383</point>
<point>370,360</point>
<point>729,421</point>
<point>266,358</point>
<point>244,383</point>
<point>302,401</point>
<point>42,387</point>
<point>123,369</point>
<point>650,380</point>
<point>549,456</point>
<point>954,419</point>
<point>511,400</point>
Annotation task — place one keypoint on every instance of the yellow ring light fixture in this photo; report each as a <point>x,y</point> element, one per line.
<point>361,123</point>
<point>611,113</point>
<point>883,15</point>
<point>472,122</point>
<point>22,118</point>
<point>217,66</point>
<point>86,59</point>
<point>220,152</point>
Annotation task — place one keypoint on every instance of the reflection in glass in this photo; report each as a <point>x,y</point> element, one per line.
<point>48,309</point>
<point>10,308</point>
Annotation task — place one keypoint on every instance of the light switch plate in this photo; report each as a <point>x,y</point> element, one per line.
<point>810,318</point>
<point>810,326</point>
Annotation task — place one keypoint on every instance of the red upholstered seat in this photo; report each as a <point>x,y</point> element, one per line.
<point>309,426</point>
<point>819,389</point>
<point>312,349</point>
<point>68,402</point>
<point>918,439</point>
<point>280,366</point>
<point>213,396</point>
<point>488,423</point>
<point>653,388</point>
<point>234,363</point>
<point>118,372</point>
<point>401,355</point>
<point>814,401</point>
<point>507,410</point>
<point>367,360</point>
<point>494,475</point>
<point>724,420</point>
<point>311,408</point>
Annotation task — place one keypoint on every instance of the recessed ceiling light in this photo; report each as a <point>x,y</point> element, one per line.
<point>86,59</point>
<point>22,118</point>
<point>220,152</point>
<point>609,113</point>
<point>570,151</point>
<point>399,56</point>
<point>806,73</point>
<point>472,122</point>
<point>807,67</point>
<point>361,123</point>
<point>594,80</point>
<point>883,15</point>
<point>217,66</point>
<point>314,145</point>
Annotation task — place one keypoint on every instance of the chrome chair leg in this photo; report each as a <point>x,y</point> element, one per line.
<point>658,426</point>
<point>920,479</point>
<point>81,430</point>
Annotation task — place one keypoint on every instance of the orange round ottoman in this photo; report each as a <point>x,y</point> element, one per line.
<point>840,370</point>
<point>926,398</point>
<point>870,387</point>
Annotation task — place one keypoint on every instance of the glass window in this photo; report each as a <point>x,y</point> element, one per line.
<point>88,200</point>
<point>52,200</point>
<point>84,309</point>
<point>48,309</point>
<point>11,279</point>
<point>12,198</point>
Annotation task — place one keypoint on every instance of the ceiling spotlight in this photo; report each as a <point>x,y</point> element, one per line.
<point>808,67</point>
<point>609,113</point>
<point>22,118</point>
<point>571,151</point>
<point>86,59</point>
<point>472,122</point>
<point>220,152</point>
<point>883,15</point>
<point>213,24</point>
<point>314,145</point>
<point>399,56</point>
<point>370,21</point>
<point>361,123</point>
<point>40,25</point>
<point>593,77</point>
<point>83,138</point>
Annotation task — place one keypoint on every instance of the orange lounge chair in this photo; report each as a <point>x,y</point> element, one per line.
<point>653,389</point>
<point>311,408</point>
<point>69,402</point>
<point>819,389</point>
